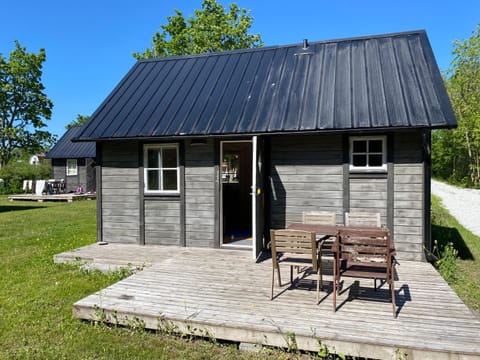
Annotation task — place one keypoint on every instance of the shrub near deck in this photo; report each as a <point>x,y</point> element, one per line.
<point>37,295</point>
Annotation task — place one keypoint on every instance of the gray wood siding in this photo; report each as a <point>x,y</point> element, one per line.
<point>369,195</point>
<point>306,175</point>
<point>162,221</point>
<point>85,176</point>
<point>200,178</point>
<point>59,170</point>
<point>409,190</point>
<point>90,175</point>
<point>82,173</point>
<point>120,192</point>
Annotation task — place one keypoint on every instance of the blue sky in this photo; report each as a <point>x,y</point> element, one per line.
<point>89,43</point>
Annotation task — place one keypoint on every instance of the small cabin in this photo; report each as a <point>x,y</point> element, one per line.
<point>214,150</point>
<point>74,163</point>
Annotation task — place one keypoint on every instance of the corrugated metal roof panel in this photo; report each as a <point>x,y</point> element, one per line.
<point>66,149</point>
<point>384,81</point>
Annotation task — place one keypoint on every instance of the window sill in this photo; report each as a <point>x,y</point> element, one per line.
<point>368,174</point>
<point>161,195</point>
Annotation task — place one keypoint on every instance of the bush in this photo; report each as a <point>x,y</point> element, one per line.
<point>15,172</point>
<point>446,261</point>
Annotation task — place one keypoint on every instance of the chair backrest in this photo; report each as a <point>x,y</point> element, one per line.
<point>364,245</point>
<point>319,217</point>
<point>362,219</point>
<point>298,244</point>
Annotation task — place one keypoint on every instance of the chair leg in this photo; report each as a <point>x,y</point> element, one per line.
<point>319,281</point>
<point>392,292</point>
<point>321,273</point>
<point>334,287</point>
<point>291,275</point>
<point>279,277</point>
<point>273,281</point>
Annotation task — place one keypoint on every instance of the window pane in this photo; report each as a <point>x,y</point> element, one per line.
<point>375,146</point>
<point>359,146</point>
<point>152,160</point>
<point>71,167</point>
<point>169,179</point>
<point>375,160</point>
<point>169,158</point>
<point>359,160</point>
<point>153,177</point>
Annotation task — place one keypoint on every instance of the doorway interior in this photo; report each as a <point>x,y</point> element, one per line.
<point>236,203</point>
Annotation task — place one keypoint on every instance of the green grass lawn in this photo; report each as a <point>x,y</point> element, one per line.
<point>37,295</point>
<point>466,268</point>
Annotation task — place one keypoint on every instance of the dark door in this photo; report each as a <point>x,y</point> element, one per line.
<point>236,182</point>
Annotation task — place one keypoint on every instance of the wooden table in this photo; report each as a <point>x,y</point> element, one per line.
<point>326,231</point>
<point>330,230</point>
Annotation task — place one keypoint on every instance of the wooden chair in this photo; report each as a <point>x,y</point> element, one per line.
<point>364,253</point>
<point>325,243</point>
<point>294,248</point>
<point>319,217</point>
<point>362,219</point>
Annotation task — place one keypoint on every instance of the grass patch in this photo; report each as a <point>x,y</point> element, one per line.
<point>37,295</point>
<point>463,272</point>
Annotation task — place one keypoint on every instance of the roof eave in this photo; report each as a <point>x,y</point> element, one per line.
<point>272,133</point>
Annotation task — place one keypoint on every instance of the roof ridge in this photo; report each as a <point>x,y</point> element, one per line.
<point>274,47</point>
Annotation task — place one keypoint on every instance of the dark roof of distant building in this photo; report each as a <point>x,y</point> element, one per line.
<point>389,81</point>
<point>67,149</point>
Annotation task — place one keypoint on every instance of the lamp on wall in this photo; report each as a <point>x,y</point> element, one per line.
<point>198,142</point>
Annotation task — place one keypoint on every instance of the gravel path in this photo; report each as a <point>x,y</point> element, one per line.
<point>463,204</point>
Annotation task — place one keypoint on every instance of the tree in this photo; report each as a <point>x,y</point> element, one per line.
<point>211,29</point>
<point>81,119</point>
<point>24,107</point>
<point>459,150</point>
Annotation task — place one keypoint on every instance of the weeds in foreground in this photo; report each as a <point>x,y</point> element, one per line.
<point>446,261</point>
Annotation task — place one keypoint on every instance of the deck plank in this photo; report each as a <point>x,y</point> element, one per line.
<point>68,197</point>
<point>225,293</point>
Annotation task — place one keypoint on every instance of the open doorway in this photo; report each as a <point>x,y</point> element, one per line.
<point>236,203</point>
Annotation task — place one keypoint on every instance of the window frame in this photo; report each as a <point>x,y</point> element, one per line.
<point>71,171</point>
<point>161,169</point>
<point>367,168</point>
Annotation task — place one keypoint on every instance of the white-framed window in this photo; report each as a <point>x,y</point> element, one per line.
<point>72,167</point>
<point>161,168</point>
<point>368,153</point>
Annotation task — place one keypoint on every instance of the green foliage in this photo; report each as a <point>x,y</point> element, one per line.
<point>456,153</point>
<point>24,107</point>
<point>15,172</point>
<point>211,29</point>
<point>459,255</point>
<point>80,120</point>
<point>330,354</point>
<point>446,261</point>
<point>449,158</point>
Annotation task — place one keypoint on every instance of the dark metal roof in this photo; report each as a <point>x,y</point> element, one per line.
<point>374,82</point>
<point>66,149</point>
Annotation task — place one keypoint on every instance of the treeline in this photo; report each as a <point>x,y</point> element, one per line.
<point>456,153</point>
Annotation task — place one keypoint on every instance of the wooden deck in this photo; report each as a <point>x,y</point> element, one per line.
<point>54,197</point>
<point>222,293</point>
